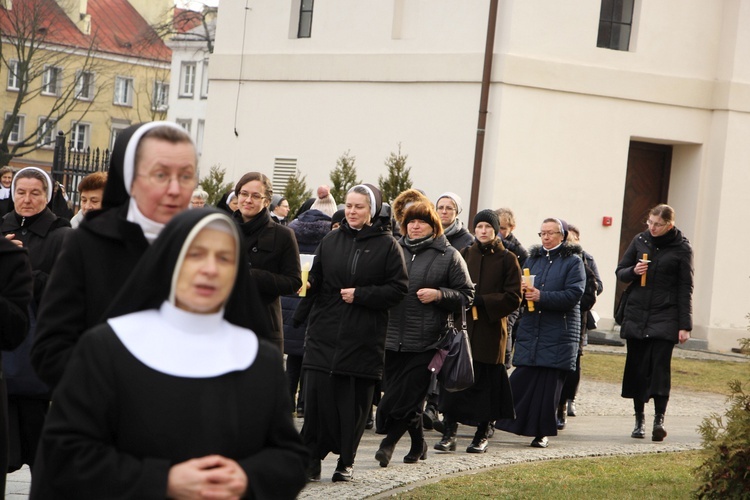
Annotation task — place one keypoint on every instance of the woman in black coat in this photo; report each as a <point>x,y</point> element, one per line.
<point>439,284</point>
<point>211,418</point>
<point>658,313</point>
<point>15,297</point>
<point>271,248</point>
<point>36,228</point>
<point>358,275</point>
<point>100,254</point>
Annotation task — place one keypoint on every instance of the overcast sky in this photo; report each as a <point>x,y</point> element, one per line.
<point>195,4</point>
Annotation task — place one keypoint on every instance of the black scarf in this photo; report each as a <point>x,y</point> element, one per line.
<point>252,228</point>
<point>416,246</point>
<point>665,239</point>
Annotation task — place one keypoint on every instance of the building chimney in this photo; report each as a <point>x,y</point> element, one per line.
<point>77,11</point>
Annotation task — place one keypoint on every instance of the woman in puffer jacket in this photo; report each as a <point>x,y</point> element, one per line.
<point>548,336</point>
<point>658,313</point>
<point>439,283</point>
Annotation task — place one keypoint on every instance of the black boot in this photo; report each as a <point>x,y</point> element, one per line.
<point>562,419</point>
<point>388,444</point>
<point>429,416</point>
<point>418,450</point>
<point>479,443</point>
<point>659,432</point>
<point>639,431</point>
<point>572,408</point>
<point>448,443</point>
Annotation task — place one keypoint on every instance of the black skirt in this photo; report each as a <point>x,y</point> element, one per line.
<point>336,410</point>
<point>648,369</point>
<point>536,392</point>
<point>405,384</point>
<point>489,399</point>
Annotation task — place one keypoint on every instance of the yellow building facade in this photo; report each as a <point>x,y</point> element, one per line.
<point>87,69</point>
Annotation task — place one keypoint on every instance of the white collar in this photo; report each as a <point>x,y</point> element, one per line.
<point>150,228</point>
<point>4,192</point>
<point>184,344</point>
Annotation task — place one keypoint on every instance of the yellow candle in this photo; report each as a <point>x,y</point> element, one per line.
<point>305,272</point>
<point>643,276</point>
<point>527,279</point>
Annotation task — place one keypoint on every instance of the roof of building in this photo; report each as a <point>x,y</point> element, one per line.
<point>116,28</point>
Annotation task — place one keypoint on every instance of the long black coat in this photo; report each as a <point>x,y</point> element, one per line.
<point>414,326</point>
<point>274,266</point>
<point>349,339</point>
<point>15,294</point>
<point>43,238</point>
<point>664,306</point>
<point>497,275</point>
<point>95,262</point>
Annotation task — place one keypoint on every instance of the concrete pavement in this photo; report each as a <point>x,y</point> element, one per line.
<point>602,428</point>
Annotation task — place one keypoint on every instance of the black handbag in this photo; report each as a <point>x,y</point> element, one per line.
<point>457,370</point>
<point>620,309</point>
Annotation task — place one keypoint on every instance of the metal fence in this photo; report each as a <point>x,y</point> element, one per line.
<point>70,165</point>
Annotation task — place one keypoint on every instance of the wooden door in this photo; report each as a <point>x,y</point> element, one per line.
<point>646,185</point>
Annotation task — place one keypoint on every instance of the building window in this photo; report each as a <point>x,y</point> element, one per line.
<point>123,91</point>
<point>117,127</point>
<point>199,136</point>
<point>204,80</point>
<point>14,79</point>
<point>52,81</point>
<point>84,85</point>
<point>160,99</point>
<point>615,24</point>
<point>187,79</point>
<point>283,169</point>
<point>46,132</point>
<point>305,19</point>
<point>184,123</point>
<point>16,131</point>
<point>80,136</point>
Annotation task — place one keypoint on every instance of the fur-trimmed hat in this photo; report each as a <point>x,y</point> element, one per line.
<point>405,200</point>
<point>488,216</point>
<point>425,212</point>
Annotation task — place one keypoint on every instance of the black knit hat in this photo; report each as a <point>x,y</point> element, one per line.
<point>488,216</point>
<point>424,212</point>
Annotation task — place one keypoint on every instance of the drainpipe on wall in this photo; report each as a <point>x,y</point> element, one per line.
<point>483,100</point>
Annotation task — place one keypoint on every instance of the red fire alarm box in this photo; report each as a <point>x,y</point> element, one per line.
<point>606,221</point>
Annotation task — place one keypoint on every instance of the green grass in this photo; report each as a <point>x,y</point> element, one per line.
<point>687,374</point>
<point>659,475</point>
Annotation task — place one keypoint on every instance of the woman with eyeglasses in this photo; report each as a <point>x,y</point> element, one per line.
<point>548,335</point>
<point>658,313</point>
<point>271,248</point>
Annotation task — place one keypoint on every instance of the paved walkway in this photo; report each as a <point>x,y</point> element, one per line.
<point>602,427</point>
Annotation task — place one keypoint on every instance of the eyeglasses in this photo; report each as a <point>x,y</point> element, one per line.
<point>548,233</point>
<point>162,179</point>
<point>254,196</point>
<point>446,208</point>
<point>657,225</point>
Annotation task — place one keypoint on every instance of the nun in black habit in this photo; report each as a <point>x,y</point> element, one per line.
<point>101,253</point>
<point>175,385</point>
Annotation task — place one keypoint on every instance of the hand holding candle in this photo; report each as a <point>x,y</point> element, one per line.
<point>643,276</point>
<point>306,262</point>
<point>528,280</point>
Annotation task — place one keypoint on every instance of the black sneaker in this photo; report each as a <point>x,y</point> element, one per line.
<point>343,474</point>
